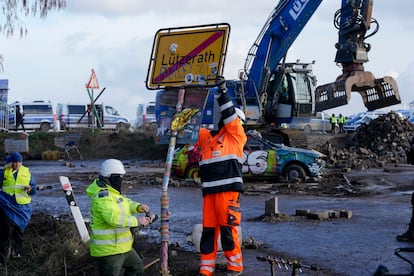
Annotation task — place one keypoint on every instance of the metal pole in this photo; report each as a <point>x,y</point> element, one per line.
<point>90,93</point>
<point>94,101</point>
<point>94,111</point>
<point>165,214</point>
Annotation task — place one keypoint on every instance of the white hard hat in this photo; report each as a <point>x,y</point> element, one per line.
<point>240,114</point>
<point>111,166</point>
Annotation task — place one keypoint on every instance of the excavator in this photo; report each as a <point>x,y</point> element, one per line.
<point>273,93</point>
<point>281,92</point>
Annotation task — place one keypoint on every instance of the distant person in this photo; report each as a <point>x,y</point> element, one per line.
<point>333,121</point>
<point>222,183</point>
<point>19,118</point>
<point>111,222</point>
<point>409,234</point>
<point>17,186</point>
<point>341,122</point>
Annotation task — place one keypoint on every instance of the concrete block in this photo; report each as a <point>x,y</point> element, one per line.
<point>346,214</point>
<point>302,213</point>
<point>334,214</point>
<point>319,215</point>
<point>271,206</point>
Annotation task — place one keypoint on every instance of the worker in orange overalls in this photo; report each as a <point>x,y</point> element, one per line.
<point>222,183</point>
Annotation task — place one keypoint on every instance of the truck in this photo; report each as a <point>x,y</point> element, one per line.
<point>273,92</point>
<point>320,123</point>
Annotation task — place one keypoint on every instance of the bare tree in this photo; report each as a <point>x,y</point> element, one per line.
<point>13,10</point>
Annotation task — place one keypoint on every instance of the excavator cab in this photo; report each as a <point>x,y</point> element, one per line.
<point>353,21</point>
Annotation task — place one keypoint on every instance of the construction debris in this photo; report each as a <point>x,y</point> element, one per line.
<point>307,214</point>
<point>385,140</point>
<point>325,214</point>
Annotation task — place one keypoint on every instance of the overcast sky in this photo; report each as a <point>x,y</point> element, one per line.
<point>54,61</point>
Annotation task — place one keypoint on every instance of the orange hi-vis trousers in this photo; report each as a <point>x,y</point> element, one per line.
<point>221,215</point>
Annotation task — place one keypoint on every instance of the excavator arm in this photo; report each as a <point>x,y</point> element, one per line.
<point>265,67</point>
<point>353,21</point>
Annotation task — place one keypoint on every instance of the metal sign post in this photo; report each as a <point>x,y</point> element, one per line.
<point>165,213</point>
<point>189,59</point>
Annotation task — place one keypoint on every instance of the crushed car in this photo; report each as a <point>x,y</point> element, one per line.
<point>262,159</point>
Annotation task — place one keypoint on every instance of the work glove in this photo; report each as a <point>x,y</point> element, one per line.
<point>221,83</point>
<point>143,208</point>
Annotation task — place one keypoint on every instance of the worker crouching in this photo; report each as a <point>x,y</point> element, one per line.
<point>111,222</point>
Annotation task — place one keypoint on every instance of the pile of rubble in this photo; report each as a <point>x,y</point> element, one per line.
<point>385,140</point>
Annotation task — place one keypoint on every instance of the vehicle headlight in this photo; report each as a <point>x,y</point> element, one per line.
<point>320,161</point>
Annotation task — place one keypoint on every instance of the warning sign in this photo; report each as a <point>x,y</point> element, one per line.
<point>188,56</point>
<point>93,81</point>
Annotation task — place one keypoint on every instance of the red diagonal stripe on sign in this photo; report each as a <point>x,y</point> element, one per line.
<point>193,53</point>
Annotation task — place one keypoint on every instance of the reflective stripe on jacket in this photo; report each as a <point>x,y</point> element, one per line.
<point>17,187</point>
<point>111,219</point>
<point>221,154</point>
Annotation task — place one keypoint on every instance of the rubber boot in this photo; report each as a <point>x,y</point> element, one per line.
<point>17,243</point>
<point>409,234</point>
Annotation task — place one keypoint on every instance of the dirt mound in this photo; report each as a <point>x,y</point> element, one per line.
<point>385,140</point>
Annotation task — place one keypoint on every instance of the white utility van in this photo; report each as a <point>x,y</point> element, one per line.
<point>74,116</point>
<point>319,123</point>
<point>146,117</point>
<point>38,115</point>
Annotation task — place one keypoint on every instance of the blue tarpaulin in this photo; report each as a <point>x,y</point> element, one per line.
<point>19,214</point>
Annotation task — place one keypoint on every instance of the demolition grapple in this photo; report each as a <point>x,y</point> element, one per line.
<point>353,21</point>
<point>375,93</point>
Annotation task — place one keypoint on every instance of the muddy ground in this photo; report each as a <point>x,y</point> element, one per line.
<point>52,246</point>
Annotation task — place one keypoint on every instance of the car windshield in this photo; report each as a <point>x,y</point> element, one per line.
<point>151,109</point>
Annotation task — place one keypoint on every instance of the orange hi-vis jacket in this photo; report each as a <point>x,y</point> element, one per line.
<point>221,154</point>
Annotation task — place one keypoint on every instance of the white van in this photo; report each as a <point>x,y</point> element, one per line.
<point>74,116</point>
<point>319,123</point>
<point>146,117</point>
<point>38,115</point>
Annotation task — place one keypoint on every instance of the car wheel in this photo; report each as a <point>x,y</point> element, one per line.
<point>191,172</point>
<point>45,127</point>
<point>295,172</point>
<point>121,126</point>
<point>307,128</point>
<point>153,127</point>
